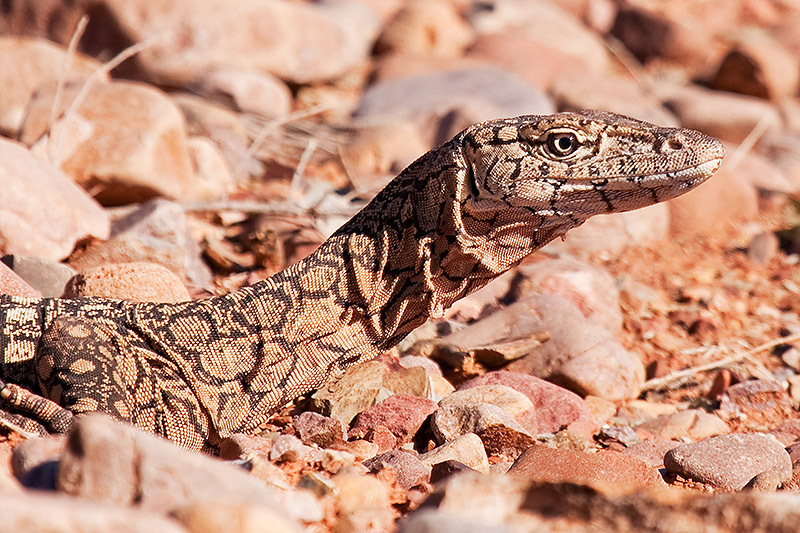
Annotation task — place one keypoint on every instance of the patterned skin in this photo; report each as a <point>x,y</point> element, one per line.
<point>455,219</point>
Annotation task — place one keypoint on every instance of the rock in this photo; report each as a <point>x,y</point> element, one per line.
<point>34,462</point>
<point>444,470</point>
<point>30,64</point>
<point>430,521</point>
<point>651,451</point>
<point>612,93</point>
<point>542,463</point>
<point>213,517</point>
<point>363,504</point>
<point>758,66</point>
<point>290,449</point>
<point>611,235</point>
<point>298,42</point>
<point>729,462</point>
<point>401,414</point>
<point>590,288</point>
<point>108,461</point>
<point>763,402</point>
<point>537,62</point>
<point>252,91</point>
<point>156,232</point>
<point>48,277</point>
<point>768,481</point>
<point>487,411</point>
<point>692,423</point>
<point>761,171</point>
<point>652,35</point>
<point>239,445</point>
<point>719,202</point>
<point>409,470</point>
<point>467,449</point>
<point>351,393</point>
<point>725,115</point>
<point>314,428</point>
<point>762,248</point>
<point>426,28</point>
<point>12,284</point>
<point>553,408</point>
<point>125,142</point>
<point>138,281</point>
<point>619,375</point>
<point>25,512</point>
<point>209,166</point>
<point>43,213</point>
<point>411,381</point>
<point>478,93</point>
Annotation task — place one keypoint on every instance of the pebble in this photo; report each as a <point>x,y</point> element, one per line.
<point>324,431</point>
<point>12,284</point>
<point>43,212</point>
<point>467,449</point>
<point>352,393</point>
<point>651,451</point>
<point>729,462</point>
<point>363,503</point>
<point>401,414</point>
<point>693,424</point>
<point>410,381</point>
<point>542,463</point>
<point>763,402</point>
<point>430,521</point>
<point>46,276</point>
<point>444,470</point>
<point>138,281</point>
<point>425,28</point>
<point>409,470</point>
<point>216,517</point>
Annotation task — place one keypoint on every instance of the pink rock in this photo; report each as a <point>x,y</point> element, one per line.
<point>651,451</point>
<point>14,285</point>
<point>42,212</point>
<point>553,409</point>
<point>402,414</point>
<point>543,463</point>
<point>324,431</point>
<point>140,281</point>
<point>692,423</point>
<point>760,401</point>
<point>729,461</point>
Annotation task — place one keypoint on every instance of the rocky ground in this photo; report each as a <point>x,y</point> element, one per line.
<point>641,375</point>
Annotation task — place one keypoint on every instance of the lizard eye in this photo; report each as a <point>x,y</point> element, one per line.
<point>562,144</point>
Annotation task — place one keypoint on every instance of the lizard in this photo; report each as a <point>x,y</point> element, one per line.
<point>196,372</point>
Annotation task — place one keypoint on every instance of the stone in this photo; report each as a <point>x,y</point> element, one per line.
<point>614,374</point>
<point>728,116</point>
<point>542,463</point>
<point>716,204</point>
<point>32,458</point>
<point>48,277</point>
<point>590,288</point>
<point>412,381</point>
<point>401,414</point>
<point>363,504</point>
<point>423,27</point>
<point>651,451</point>
<point>137,281</point>
<point>553,408</point>
<point>760,66</point>
<point>43,213</point>
<point>124,141</point>
<point>240,445</point>
<point>25,512</point>
<point>289,449</point>
<point>409,470</point>
<point>762,248</point>
<point>297,42</point>
<point>353,392</point>
<point>729,462</point>
<point>156,232</point>
<point>214,517</point>
<point>30,64</point>
<point>444,470</point>
<point>109,461</point>
<point>763,402</point>
<point>12,284</point>
<point>467,449</point>
<point>314,428</point>
<point>482,93</point>
<point>694,424</point>
<point>252,91</point>
<point>430,521</point>
<point>210,167</point>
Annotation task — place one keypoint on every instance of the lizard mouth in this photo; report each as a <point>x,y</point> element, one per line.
<point>695,174</point>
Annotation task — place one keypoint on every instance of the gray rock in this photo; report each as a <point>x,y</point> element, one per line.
<point>351,393</point>
<point>730,461</point>
<point>409,470</point>
<point>467,449</point>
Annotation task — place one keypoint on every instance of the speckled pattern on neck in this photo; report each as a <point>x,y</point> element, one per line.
<point>459,216</point>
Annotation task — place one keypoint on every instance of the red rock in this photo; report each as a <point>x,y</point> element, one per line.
<point>694,424</point>
<point>729,461</point>
<point>553,409</point>
<point>314,428</point>
<point>140,281</point>
<point>542,463</point>
<point>762,402</point>
<point>409,470</point>
<point>651,451</point>
<point>402,414</point>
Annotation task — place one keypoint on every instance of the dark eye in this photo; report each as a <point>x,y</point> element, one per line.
<point>562,144</point>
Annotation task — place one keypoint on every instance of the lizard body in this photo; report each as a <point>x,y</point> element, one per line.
<point>455,219</point>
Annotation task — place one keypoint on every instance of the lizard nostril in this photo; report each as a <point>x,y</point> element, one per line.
<point>675,144</point>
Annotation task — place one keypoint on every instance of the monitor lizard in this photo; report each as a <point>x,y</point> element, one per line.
<point>461,215</point>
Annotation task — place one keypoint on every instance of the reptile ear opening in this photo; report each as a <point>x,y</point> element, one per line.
<point>472,182</point>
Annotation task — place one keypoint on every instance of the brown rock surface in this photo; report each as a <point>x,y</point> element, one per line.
<point>143,282</point>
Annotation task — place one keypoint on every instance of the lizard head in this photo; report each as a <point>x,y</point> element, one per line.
<point>580,164</point>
